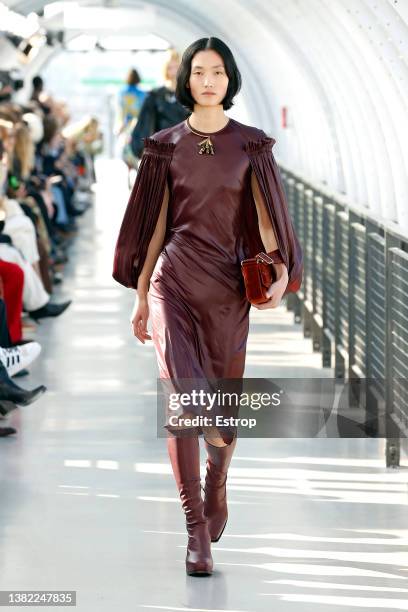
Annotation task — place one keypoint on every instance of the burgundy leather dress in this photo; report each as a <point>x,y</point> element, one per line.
<point>198,309</point>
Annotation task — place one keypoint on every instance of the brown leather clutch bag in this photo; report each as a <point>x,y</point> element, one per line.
<point>259,273</point>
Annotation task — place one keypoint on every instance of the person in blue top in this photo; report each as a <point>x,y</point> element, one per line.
<point>131,98</point>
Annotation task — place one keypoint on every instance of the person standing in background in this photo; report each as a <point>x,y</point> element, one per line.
<point>160,108</point>
<point>130,102</point>
<point>39,96</point>
<point>130,99</point>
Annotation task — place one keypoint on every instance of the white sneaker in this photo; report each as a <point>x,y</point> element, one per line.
<point>19,357</point>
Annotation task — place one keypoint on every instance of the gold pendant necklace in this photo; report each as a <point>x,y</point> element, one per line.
<point>206,147</point>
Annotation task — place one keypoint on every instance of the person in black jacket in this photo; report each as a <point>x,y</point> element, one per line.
<point>160,108</point>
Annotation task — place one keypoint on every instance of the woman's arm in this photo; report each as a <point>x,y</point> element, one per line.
<point>155,247</point>
<point>277,289</point>
<point>265,227</point>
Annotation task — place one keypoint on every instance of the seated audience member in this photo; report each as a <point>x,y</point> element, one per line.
<point>46,173</point>
<point>14,358</point>
<point>11,291</point>
<point>36,300</point>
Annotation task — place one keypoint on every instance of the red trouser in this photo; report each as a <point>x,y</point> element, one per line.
<point>13,281</point>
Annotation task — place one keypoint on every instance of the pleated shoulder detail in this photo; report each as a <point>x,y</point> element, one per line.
<point>265,143</point>
<point>156,146</point>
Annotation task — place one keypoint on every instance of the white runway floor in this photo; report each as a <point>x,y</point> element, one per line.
<point>89,503</point>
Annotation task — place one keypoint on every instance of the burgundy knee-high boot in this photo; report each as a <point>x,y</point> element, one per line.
<point>215,500</point>
<point>184,453</point>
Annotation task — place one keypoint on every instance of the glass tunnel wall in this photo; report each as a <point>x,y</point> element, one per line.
<point>337,67</point>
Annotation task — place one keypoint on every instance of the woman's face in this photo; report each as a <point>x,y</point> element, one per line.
<point>172,68</point>
<point>208,75</point>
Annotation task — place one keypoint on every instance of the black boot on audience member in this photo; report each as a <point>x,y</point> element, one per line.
<point>7,431</point>
<point>49,310</point>
<point>12,395</point>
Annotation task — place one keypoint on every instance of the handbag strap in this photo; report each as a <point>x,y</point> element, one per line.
<point>264,258</point>
<point>271,257</point>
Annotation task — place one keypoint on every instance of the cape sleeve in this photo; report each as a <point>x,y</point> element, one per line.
<point>270,182</point>
<point>142,212</point>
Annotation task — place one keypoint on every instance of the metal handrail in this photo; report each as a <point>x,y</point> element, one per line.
<point>353,302</point>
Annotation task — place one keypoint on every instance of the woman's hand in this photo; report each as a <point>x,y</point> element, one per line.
<point>139,318</point>
<point>277,289</point>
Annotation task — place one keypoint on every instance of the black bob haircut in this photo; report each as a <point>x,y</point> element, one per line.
<point>183,94</point>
